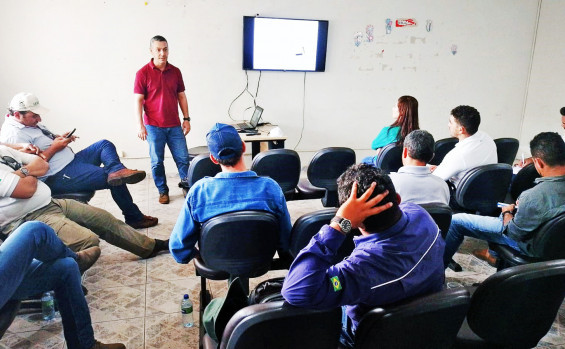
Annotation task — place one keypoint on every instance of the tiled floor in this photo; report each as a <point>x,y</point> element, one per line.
<point>137,302</point>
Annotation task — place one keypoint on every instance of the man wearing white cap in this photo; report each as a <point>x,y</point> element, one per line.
<point>70,172</point>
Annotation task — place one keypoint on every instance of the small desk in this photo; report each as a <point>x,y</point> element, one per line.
<point>264,139</point>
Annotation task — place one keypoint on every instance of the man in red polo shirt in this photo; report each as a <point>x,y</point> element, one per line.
<point>159,90</point>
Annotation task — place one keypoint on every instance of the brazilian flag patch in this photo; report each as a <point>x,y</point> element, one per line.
<point>335,283</point>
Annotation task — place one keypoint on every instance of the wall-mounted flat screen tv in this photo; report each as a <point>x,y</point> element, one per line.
<point>284,44</point>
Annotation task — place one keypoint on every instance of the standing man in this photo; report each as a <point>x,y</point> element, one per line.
<point>158,90</point>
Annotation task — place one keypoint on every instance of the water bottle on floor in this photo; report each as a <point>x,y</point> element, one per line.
<point>48,306</point>
<point>186,311</point>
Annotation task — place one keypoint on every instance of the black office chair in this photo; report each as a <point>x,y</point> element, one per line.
<point>7,314</point>
<point>195,151</point>
<point>506,150</point>
<point>280,325</point>
<point>390,158</point>
<point>308,225</point>
<point>514,308</point>
<point>324,169</point>
<point>441,214</point>
<point>282,165</point>
<point>441,148</point>
<point>523,180</point>
<point>236,244</point>
<point>200,167</point>
<point>82,196</point>
<point>548,244</point>
<point>430,322</point>
<point>481,188</point>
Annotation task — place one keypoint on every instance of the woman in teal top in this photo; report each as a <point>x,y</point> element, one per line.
<point>405,115</point>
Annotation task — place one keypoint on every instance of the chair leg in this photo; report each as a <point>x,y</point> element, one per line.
<point>205,299</point>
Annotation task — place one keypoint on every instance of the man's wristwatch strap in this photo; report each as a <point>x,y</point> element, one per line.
<point>187,118</point>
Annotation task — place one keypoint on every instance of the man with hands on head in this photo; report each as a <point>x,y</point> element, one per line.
<point>398,255</point>
<point>70,172</point>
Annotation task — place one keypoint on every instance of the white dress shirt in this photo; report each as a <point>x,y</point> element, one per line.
<point>476,150</point>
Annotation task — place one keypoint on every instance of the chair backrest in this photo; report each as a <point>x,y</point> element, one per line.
<point>523,180</point>
<point>481,188</point>
<point>506,150</point>
<point>200,167</point>
<point>549,239</point>
<point>280,325</point>
<point>441,213</point>
<point>327,165</point>
<point>240,243</point>
<point>308,225</point>
<point>431,321</point>
<point>441,148</point>
<point>390,158</point>
<point>517,306</point>
<point>282,165</point>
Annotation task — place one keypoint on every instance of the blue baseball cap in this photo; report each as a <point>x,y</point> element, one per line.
<point>223,141</point>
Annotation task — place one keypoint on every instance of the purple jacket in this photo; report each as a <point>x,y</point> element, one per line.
<point>403,261</point>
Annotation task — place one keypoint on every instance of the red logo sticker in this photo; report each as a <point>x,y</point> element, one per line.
<point>405,22</point>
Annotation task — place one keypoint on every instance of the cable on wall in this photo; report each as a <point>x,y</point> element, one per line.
<point>530,68</point>
<point>246,89</point>
<point>303,111</point>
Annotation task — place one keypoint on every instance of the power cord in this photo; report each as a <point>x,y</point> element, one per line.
<point>303,111</point>
<point>246,89</point>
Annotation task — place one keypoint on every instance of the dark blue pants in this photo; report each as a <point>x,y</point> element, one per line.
<point>85,174</point>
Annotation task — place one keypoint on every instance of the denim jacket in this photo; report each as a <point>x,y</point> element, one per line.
<point>226,192</point>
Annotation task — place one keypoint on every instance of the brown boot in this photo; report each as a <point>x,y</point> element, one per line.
<point>125,176</point>
<point>86,258</point>
<point>164,198</point>
<point>98,345</point>
<point>484,255</point>
<point>146,222</point>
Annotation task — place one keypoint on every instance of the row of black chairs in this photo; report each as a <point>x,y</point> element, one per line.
<point>514,308</point>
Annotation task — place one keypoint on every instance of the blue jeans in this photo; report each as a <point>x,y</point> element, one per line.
<point>480,227</point>
<point>33,260</point>
<point>157,137</point>
<point>85,174</point>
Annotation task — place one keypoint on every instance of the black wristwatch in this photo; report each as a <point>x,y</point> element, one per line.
<point>344,224</point>
<point>187,118</point>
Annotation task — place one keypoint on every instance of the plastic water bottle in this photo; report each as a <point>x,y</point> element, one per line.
<point>47,306</point>
<point>186,311</point>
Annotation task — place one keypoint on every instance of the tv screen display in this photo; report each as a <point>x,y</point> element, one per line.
<point>284,44</point>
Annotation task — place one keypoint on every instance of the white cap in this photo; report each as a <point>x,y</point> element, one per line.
<point>25,101</point>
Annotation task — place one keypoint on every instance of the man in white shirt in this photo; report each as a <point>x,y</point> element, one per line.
<point>24,198</point>
<point>70,172</point>
<point>414,181</point>
<point>475,148</point>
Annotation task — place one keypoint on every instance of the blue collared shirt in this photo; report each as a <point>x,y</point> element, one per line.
<point>403,261</point>
<point>226,192</point>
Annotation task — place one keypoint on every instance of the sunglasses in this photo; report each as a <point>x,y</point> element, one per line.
<point>11,162</point>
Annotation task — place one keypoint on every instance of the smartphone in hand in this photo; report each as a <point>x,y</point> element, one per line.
<point>71,133</point>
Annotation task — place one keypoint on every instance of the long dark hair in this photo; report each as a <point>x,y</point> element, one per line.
<point>407,117</point>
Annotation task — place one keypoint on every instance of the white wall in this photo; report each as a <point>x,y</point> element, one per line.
<point>546,94</point>
<point>80,58</point>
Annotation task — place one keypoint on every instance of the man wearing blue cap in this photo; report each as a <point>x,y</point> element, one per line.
<point>233,189</point>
